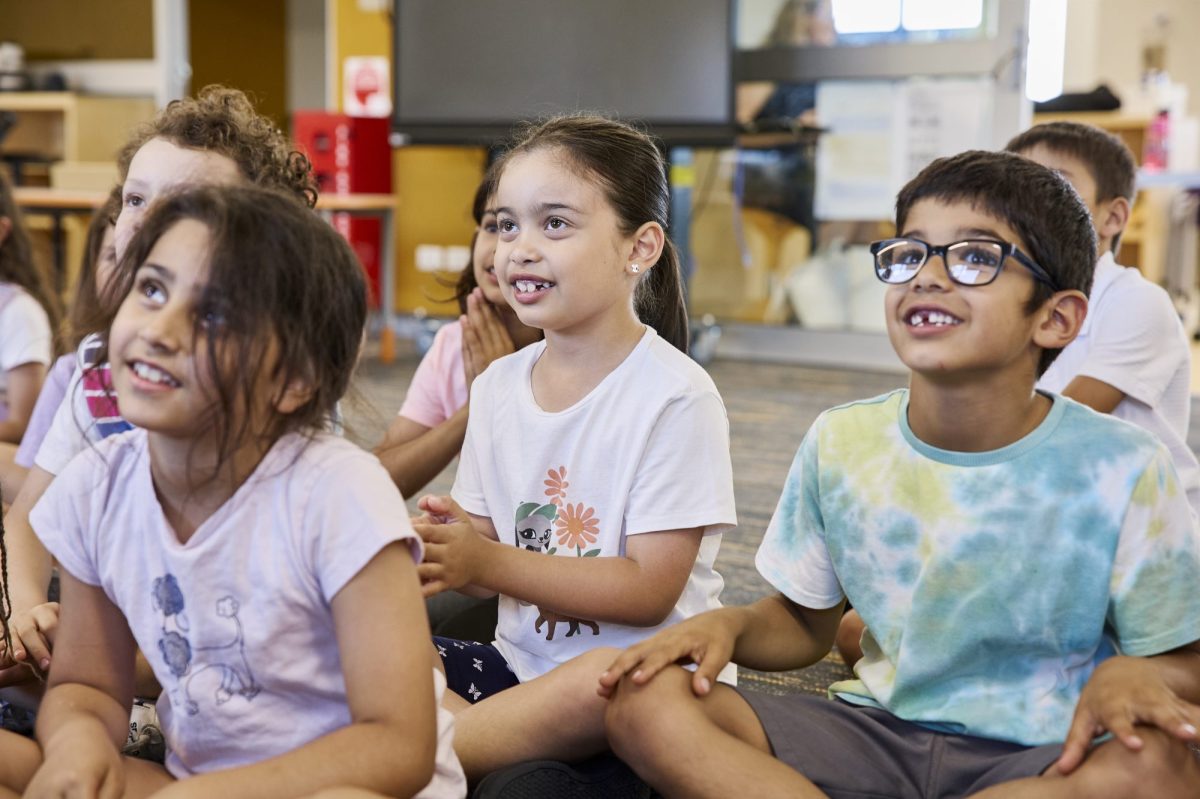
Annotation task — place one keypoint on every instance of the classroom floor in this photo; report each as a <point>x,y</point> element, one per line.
<point>770,407</point>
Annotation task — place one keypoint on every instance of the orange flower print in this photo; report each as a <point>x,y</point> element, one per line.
<point>557,485</point>
<point>577,526</point>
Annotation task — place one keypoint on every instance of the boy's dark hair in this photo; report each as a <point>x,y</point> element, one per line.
<point>466,282</point>
<point>1036,202</point>
<point>17,264</point>
<point>224,121</point>
<point>87,292</point>
<point>289,294</point>
<point>630,170</point>
<point>1108,159</point>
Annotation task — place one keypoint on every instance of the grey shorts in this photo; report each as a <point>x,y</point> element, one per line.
<point>853,752</point>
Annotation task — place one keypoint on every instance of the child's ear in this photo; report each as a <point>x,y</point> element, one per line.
<point>648,243</point>
<point>5,228</point>
<point>1060,319</point>
<point>294,396</point>
<point>1111,218</point>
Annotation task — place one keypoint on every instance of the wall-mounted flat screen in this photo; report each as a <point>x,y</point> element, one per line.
<point>467,70</point>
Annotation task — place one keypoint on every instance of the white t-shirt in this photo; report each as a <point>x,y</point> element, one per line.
<point>647,450</point>
<point>25,335</point>
<point>87,415</point>
<point>1132,339</point>
<point>236,623</point>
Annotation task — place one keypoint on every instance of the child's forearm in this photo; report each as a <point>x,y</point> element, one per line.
<point>414,462</point>
<point>68,704</point>
<point>774,634</point>
<point>11,430</point>
<point>29,562</point>
<point>1180,669</point>
<point>391,759</point>
<point>610,589</point>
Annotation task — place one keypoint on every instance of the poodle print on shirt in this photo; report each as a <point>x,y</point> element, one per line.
<point>221,668</point>
<point>576,525</point>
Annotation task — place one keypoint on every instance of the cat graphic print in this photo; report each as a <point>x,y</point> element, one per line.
<point>577,525</point>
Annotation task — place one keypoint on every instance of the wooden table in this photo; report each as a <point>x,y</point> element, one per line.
<point>58,203</point>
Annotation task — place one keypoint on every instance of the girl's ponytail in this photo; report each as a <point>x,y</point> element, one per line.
<point>659,300</point>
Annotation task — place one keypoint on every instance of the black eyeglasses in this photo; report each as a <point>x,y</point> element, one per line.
<point>973,262</point>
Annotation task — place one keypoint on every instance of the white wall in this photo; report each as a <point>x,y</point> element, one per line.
<point>1105,40</point>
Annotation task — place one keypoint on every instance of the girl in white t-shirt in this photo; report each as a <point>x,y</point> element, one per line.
<point>265,566</point>
<point>595,479</point>
<point>29,317</point>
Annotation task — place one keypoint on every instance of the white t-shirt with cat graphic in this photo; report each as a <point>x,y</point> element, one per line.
<point>237,623</point>
<point>645,451</point>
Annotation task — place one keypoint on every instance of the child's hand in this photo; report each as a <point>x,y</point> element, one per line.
<point>451,545</point>
<point>1122,693</point>
<point>80,761</point>
<point>706,640</point>
<point>485,338</point>
<point>32,640</point>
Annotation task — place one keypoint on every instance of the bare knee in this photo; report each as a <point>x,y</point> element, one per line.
<point>849,638</point>
<point>638,717</point>
<point>1164,768</point>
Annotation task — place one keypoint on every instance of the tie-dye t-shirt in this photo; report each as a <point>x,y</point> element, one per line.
<point>992,583</point>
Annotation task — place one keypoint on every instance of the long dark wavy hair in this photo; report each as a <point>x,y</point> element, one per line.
<point>290,295</point>
<point>630,170</point>
<point>17,264</point>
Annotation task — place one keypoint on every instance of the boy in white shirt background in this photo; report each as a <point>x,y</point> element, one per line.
<point>1131,358</point>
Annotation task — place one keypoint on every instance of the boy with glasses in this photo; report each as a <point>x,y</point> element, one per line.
<point>1027,568</point>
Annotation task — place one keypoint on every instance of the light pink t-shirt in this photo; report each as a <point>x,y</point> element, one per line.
<point>237,622</point>
<point>439,386</point>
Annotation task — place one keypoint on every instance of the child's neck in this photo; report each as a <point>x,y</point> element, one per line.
<point>189,482</point>
<point>575,362</point>
<point>974,415</point>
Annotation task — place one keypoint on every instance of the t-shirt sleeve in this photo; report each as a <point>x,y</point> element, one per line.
<point>793,556</point>
<point>25,335</point>
<point>354,511</point>
<point>49,398</point>
<point>66,437</point>
<point>424,402</point>
<point>1154,604</point>
<point>62,519</point>
<point>468,482</point>
<point>685,477</point>
<point>1139,348</point>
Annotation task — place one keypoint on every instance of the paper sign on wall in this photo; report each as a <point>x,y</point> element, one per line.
<point>366,86</point>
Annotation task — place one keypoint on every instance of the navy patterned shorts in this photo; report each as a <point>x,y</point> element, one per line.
<point>474,671</point>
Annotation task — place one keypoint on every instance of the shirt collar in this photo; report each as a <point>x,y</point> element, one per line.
<point>1107,270</point>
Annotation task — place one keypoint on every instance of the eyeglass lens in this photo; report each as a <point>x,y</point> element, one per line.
<point>968,262</point>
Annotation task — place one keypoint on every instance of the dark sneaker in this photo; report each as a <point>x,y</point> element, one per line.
<point>601,777</point>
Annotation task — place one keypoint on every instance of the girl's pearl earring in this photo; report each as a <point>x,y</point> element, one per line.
<point>634,268</point>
